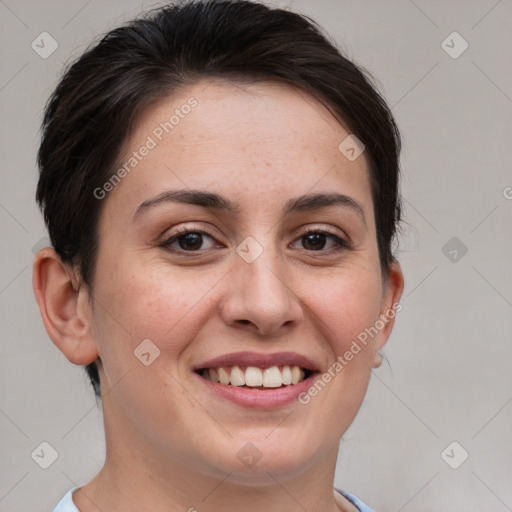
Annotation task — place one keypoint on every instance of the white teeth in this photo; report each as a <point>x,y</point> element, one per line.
<point>296,375</point>
<point>272,377</point>
<point>214,376</point>
<point>237,377</point>
<point>223,376</point>
<point>286,375</point>
<point>253,376</point>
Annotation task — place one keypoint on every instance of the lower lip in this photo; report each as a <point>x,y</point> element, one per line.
<point>259,398</point>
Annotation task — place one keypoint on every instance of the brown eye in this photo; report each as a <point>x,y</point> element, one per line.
<point>321,241</point>
<point>190,241</point>
<point>314,241</point>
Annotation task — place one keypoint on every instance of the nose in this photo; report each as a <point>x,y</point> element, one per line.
<point>260,297</point>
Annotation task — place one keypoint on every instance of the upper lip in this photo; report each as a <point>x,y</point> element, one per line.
<point>259,360</point>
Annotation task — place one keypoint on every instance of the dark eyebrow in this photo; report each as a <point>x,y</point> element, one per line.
<point>217,202</point>
<point>195,197</point>
<point>314,201</point>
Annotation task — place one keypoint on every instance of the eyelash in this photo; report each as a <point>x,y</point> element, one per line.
<point>341,244</point>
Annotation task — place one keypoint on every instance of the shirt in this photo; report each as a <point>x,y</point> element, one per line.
<point>66,503</point>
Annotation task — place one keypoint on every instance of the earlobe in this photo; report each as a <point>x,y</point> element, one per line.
<point>61,303</point>
<point>390,307</point>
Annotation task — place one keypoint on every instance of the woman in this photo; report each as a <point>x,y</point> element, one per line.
<point>220,186</point>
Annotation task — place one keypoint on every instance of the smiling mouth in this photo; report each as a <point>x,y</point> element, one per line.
<point>252,377</point>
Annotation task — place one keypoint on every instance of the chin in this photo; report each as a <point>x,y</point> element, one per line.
<point>262,461</point>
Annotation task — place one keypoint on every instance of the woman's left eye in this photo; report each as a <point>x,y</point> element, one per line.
<point>315,240</point>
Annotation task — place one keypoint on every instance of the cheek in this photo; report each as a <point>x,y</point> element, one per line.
<point>151,302</point>
<point>345,304</point>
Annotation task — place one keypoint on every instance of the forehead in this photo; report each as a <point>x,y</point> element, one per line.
<point>264,139</point>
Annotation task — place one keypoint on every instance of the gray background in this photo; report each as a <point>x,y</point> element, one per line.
<point>448,377</point>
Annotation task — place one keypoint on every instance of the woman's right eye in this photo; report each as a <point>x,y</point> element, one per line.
<point>189,241</point>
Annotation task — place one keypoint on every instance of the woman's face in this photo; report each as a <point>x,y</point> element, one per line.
<point>247,287</point>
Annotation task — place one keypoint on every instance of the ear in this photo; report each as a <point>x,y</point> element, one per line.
<point>64,306</point>
<point>390,307</point>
